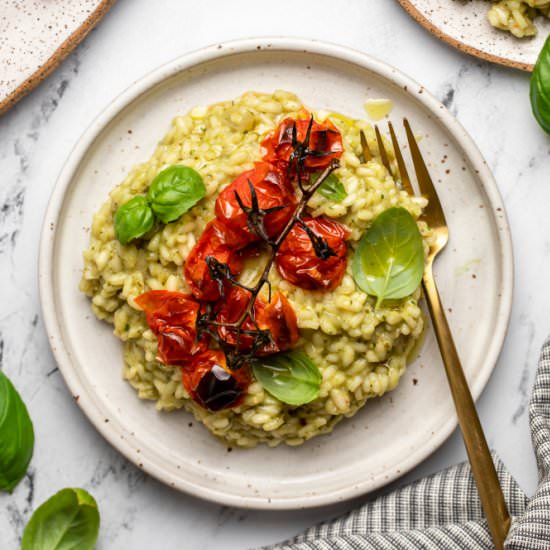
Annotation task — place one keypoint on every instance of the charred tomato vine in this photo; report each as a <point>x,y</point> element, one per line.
<point>234,315</point>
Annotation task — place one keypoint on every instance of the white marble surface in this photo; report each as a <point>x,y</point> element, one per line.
<point>35,138</point>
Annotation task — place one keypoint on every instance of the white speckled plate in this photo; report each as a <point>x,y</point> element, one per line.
<point>35,37</point>
<point>390,435</point>
<point>464,25</point>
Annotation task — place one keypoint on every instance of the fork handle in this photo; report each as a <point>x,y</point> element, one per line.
<point>483,469</point>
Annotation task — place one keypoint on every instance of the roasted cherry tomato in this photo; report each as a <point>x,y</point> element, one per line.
<point>221,243</point>
<point>272,192</point>
<point>172,317</point>
<point>325,142</point>
<point>298,262</point>
<point>279,318</point>
<point>211,384</point>
<point>276,316</point>
<point>232,307</point>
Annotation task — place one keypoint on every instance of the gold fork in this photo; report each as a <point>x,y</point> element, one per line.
<point>483,469</point>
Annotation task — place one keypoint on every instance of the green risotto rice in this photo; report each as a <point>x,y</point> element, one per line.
<point>361,352</point>
<point>517,16</point>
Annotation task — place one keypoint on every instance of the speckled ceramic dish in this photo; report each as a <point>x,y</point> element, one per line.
<point>464,25</point>
<point>35,37</point>
<point>389,436</point>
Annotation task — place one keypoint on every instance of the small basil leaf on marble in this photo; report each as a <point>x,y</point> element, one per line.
<point>540,88</point>
<point>389,260</point>
<point>291,377</point>
<point>133,219</point>
<point>16,436</point>
<point>332,188</point>
<point>174,191</point>
<point>67,520</point>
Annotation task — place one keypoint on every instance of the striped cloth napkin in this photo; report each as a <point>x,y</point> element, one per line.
<point>443,511</point>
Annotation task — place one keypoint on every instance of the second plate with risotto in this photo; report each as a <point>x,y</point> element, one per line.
<point>508,32</point>
<point>233,345</point>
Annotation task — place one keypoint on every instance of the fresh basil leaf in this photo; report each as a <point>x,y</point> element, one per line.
<point>291,377</point>
<point>389,260</point>
<point>174,191</point>
<point>133,219</point>
<point>540,88</point>
<point>68,520</point>
<point>332,188</point>
<point>16,436</point>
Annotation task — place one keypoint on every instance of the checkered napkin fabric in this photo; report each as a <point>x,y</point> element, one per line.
<point>443,511</point>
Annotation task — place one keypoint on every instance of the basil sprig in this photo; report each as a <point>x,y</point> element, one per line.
<point>68,519</point>
<point>133,219</point>
<point>332,188</point>
<point>389,260</point>
<point>540,88</point>
<point>291,377</point>
<point>173,192</point>
<point>16,436</point>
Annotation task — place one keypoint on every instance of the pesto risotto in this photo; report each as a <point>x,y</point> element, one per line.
<point>517,16</point>
<point>155,246</point>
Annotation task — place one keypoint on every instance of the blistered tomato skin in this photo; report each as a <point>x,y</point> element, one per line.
<point>276,316</point>
<point>325,139</point>
<point>172,318</point>
<point>279,318</point>
<point>272,191</point>
<point>231,309</point>
<point>298,263</point>
<point>220,242</point>
<point>211,384</point>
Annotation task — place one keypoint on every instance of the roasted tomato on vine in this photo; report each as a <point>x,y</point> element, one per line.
<point>277,318</point>
<point>325,143</point>
<point>274,201</point>
<point>232,308</point>
<point>211,384</point>
<point>318,266</point>
<point>217,241</point>
<point>172,317</point>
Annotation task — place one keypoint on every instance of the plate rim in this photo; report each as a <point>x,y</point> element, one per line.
<point>143,85</point>
<point>416,14</point>
<point>56,57</point>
